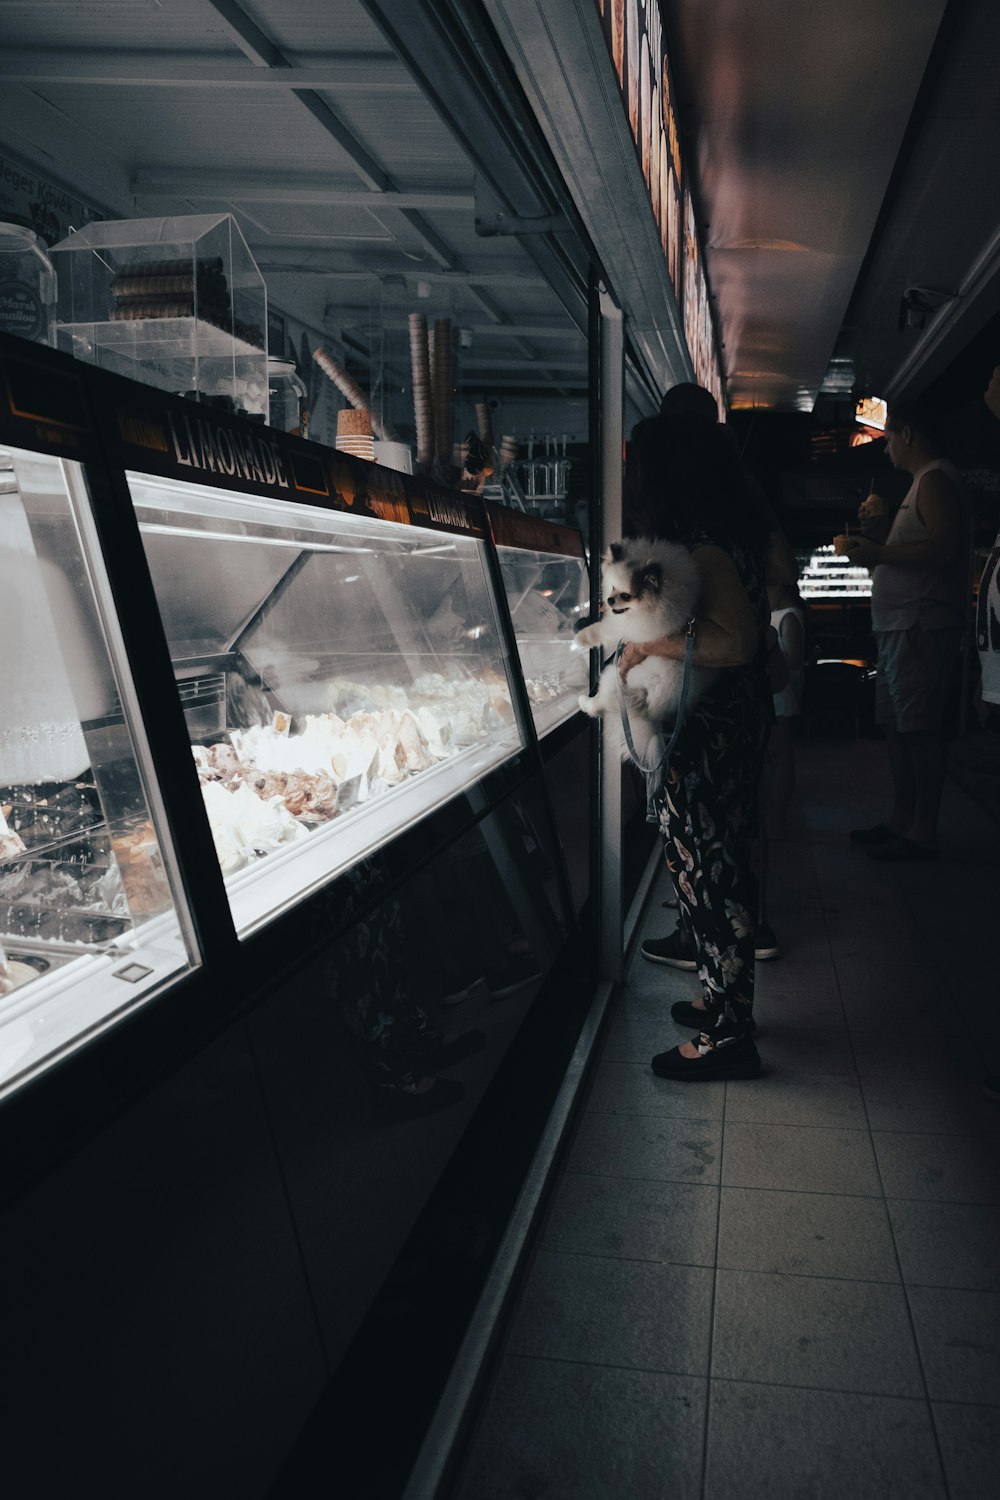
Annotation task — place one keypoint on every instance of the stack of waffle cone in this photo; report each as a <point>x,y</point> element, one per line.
<point>508,451</point>
<point>354,434</point>
<point>441,375</point>
<point>349,387</point>
<point>423,411</point>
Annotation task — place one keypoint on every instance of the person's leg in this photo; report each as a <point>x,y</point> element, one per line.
<point>781,780</point>
<point>926,752</point>
<point>904,787</point>
<point>719,894</point>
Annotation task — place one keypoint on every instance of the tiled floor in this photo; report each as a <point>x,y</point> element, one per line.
<point>788,1288</point>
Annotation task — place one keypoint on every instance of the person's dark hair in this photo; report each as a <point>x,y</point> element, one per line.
<point>688,399</point>
<point>683,475</point>
<point>923,418</point>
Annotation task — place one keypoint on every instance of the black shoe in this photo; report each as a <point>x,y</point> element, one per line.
<point>674,950</point>
<point>765,944</point>
<point>737,1060</point>
<point>880,834</point>
<point>686,1014</point>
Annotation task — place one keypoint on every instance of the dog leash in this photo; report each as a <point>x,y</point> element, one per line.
<point>653,773</point>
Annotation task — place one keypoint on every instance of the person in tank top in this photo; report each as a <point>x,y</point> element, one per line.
<point>920,603</point>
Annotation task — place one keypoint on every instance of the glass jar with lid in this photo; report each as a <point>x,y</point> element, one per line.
<point>287,397</point>
<point>27,282</point>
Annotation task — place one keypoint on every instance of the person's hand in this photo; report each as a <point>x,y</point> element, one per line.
<point>872,508</point>
<point>630,657</point>
<point>858,549</point>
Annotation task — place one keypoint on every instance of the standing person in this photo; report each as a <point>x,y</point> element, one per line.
<point>919,604</point>
<point>688,487</point>
<point>788,620</point>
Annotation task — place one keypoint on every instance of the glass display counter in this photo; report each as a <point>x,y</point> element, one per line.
<point>545,579</point>
<point>89,920</point>
<point>341,676</point>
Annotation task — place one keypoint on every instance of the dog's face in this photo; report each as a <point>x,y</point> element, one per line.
<point>632,582</point>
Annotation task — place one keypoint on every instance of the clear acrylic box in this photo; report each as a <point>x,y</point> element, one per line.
<point>177,303</point>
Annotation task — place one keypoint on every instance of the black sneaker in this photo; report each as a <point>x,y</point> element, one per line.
<point>674,950</point>
<point>738,1060</point>
<point>686,1014</point>
<point>765,944</point>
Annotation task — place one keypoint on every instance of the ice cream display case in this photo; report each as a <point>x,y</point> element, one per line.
<point>91,920</point>
<point>544,572</point>
<point>196,605</point>
<point>341,675</point>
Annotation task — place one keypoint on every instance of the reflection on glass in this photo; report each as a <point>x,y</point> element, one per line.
<point>83,886</point>
<point>341,677</point>
<point>547,594</point>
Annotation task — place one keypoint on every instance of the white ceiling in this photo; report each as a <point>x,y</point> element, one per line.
<point>348,186</point>
<point>351,189</point>
<point>797,115</point>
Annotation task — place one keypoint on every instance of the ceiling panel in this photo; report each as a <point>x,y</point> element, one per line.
<point>316,25</point>
<point>795,114</point>
<point>945,216</point>
<point>35,24</point>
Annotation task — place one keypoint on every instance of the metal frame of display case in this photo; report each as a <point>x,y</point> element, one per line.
<point>52,404</point>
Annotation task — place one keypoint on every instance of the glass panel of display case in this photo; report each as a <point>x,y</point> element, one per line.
<point>89,924</point>
<point>547,593</point>
<point>341,677</point>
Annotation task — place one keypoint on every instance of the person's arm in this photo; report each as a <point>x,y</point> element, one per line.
<point>727,633</point>
<point>792,640</point>
<point>938,508</point>
<point>874,517</point>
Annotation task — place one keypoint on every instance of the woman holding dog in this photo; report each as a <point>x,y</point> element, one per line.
<point>685,483</point>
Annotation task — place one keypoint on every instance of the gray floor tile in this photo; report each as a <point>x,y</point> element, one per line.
<point>801,943</point>
<point>970,1446</point>
<point>633,1088</point>
<point>945,1168</point>
<point>806,1051</point>
<point>787,1099</point>
<point>771,1444</point>
<point>806,1330</point>
<point>798,994</point>
<point>622,1216</point>
<point>947,1244</point>
<point>887,996</point>
<point>634,1037</point>
<point>958,1334</point>
<point>579,1432</point>
<point>672,1150</point>
<point>806,1234</point>
<point>615,1312</point>
<point>800,1159</point>
<point>926,1103</point>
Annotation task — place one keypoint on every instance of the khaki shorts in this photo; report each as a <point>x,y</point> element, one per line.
<point>917,670</point>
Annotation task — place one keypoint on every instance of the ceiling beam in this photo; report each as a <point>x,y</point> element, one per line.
<point>356,71</point>
<point>260,50</point>
<point>284,187</point>
<point>251,41</point>
<point>263,52</point>
<point>271,260</point>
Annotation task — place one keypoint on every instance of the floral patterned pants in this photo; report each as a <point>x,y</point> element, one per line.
<point>709,820</point>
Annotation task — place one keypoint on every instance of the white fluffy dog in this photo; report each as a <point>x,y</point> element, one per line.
<point>649,590</point>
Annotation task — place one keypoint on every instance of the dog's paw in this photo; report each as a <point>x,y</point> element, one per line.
<point>588,705</point>
<point>589,636</point>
